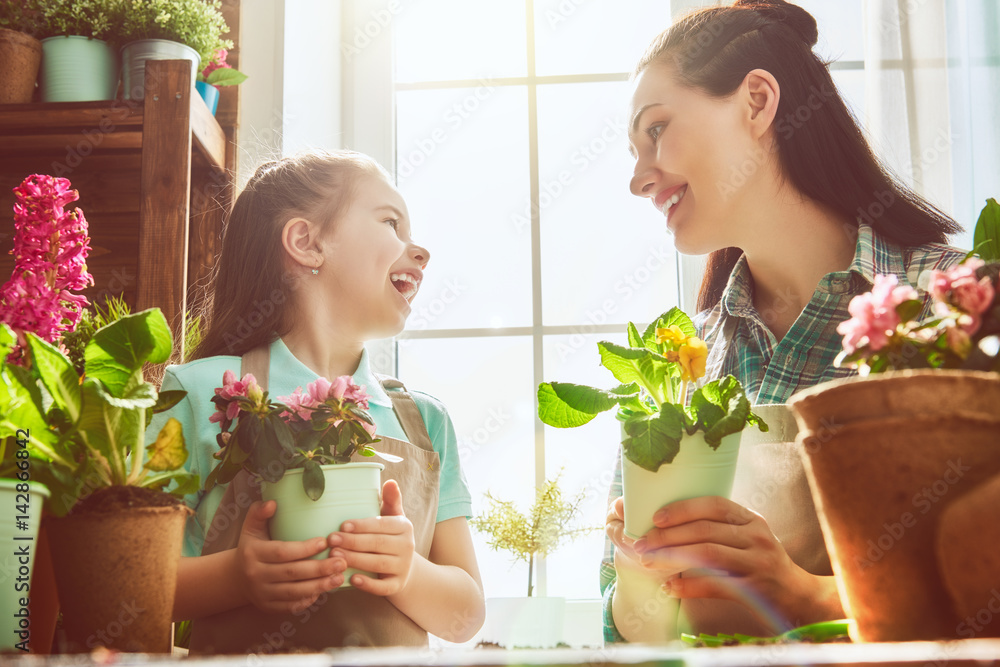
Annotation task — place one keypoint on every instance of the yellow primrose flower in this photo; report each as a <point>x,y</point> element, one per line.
<point>693,355</point>
<point>671,334</point>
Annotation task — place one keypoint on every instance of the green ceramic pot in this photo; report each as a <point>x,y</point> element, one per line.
<point>77,69</point>
<point>18,544</point>
<point>353,491</point>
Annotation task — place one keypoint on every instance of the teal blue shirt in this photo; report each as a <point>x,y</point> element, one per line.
<point>200,379</point>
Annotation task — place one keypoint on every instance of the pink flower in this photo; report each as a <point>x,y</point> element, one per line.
<point>218,62</point>
<point>368,427</point>
<point>873,314</point>
<point>300,405</point>
<point>958,340</point>
<point>960,287</point>
<point>357,395</point>
<point>319,390</point>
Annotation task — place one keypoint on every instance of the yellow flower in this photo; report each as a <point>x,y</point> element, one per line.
<point>693,355</point>
<point>671,334</point>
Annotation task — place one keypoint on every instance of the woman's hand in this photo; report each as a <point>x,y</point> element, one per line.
<point>382,545</point>
<point>274,574</point>
<point>715,533</point>
<point>625,553</point>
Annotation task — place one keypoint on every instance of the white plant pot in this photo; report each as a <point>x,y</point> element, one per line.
<point>697,470</point>
<point>20,543</point>
<point>353,491</point>
<point>524,622</point>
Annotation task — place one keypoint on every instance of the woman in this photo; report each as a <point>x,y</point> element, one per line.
<point>742,141</point>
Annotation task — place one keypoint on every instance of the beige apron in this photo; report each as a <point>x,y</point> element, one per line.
<point>343,617</point>
<point>771,481</point>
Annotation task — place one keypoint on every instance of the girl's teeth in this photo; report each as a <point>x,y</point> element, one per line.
<point>677,196</point>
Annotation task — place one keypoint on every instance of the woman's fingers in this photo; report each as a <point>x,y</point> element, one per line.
<point>705,555</point>
<point>695,532</point>
<point>712,508</point>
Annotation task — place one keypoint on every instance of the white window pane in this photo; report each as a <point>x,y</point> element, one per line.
<point>438,40</point>
<point>841,33</point>
<point>606,254</point>
<point>567,34</point>
<point>462,154</point>
<point>486,384</point>
<point>586,456</point>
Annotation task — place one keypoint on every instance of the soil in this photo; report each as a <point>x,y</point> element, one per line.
<point>117,498</point>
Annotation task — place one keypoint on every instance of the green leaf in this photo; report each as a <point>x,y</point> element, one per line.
<point>652,440</point>
<point>721,408</point>
<point>986,238</point>
<point>565,405</point>
<point>112,424</point>
<point>57,374</point>
<point>225,76</point>
<point>266,455</point>
<point>673,316</point>
<point>168,399</point>
<point>21,405</point>
<point>167,452</point>
<point>118,351</point>
<point>640,365</point>
<point>634,339</point>
<point>313,480</point>
<point>908,310</point>
<point>186,482</point>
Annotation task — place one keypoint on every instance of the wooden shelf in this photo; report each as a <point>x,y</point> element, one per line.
<point>154,177</point>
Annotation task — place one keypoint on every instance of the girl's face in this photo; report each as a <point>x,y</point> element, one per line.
<point>371,266</point>
<point>691,153</point>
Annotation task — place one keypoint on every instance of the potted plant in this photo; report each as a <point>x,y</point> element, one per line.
<point>298,447</point>
<point>78,65</point>
<point>518,622</point>
<point>20,52</point>
<point>217,73</point>
<point>84,434</point>
<point>168,29</point>
<point>672,448</point>
<point>915,432</point>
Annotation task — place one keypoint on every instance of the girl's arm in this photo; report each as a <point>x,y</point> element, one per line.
<point>443,593</point>
<point>270,575</point>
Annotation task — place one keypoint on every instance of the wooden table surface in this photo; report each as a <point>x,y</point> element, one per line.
<point>970,652</point>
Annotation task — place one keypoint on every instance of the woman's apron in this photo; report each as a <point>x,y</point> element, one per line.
<point>342,617</point>
<point>771,481</point>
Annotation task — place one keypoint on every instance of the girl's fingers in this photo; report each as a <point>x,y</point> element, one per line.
<point>707,555</point>
<point>389,525</point>
<point>387,586</point>
<point>373,542</point>
<point>383,564</point>
<point>301,570</point>
<point>277,551</point>
<point>299,590</point>
<point>694,532</point>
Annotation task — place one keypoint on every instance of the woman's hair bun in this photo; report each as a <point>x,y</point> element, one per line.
<point>793,16</point>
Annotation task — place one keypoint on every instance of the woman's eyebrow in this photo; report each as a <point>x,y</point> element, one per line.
<point>389,207</point>
<point>634,126</point>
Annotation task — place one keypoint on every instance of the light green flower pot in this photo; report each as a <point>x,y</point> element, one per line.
<point>697,470</point>
<point>18,543</point>
<point>77,69</point>
<point>353,491</point>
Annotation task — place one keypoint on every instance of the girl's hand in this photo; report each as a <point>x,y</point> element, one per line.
<point>715,533</point>
<point>383,545</point>
<point>274,574</point>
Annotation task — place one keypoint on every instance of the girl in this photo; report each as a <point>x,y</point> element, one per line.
<point>792,239</point>
<point>316,259</point>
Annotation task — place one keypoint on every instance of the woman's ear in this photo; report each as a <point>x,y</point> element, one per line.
<point>300,238</point>
<point>761,93</point>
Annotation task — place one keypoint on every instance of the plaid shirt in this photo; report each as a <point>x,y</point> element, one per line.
<point>772,370</point>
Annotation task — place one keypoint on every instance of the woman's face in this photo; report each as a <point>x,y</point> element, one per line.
<point>694,159</point>
<point>371,266</point>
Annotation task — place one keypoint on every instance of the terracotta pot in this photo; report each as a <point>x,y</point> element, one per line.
<point>885,455</point>
<point>21,55</point>
<point>44,604</point>
<point>116,573</point>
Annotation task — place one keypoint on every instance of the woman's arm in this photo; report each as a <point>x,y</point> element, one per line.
<point>270,575</point>
<point>443,593</point>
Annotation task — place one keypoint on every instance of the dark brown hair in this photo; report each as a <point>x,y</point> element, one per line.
<point>826,156</point>
<point>250,288</point>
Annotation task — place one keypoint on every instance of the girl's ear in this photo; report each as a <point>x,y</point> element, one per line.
<point>761,93</point>
<point>300,238</point>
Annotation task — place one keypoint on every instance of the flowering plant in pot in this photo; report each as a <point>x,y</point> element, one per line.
<point>217,73</point>
<point>659,422</point>
<point>916,432</point>
<point>84,433</point>
<point>548,524</point>
<point>298,446</point>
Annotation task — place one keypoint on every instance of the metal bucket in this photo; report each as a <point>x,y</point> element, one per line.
<point>135,55</point>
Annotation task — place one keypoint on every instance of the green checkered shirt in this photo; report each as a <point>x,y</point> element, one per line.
<point>772,370</point>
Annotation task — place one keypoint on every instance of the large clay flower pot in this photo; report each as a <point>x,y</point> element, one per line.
<point>697,470</point>
<point>21,507</point>
<point>21,54</point>
<point>353,491</point>
<point>885,456</point>
<point>116,573</point>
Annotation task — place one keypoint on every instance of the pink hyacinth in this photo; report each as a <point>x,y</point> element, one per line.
<point>218,62</point>
<point>50,260</point>
<point>873,314</point>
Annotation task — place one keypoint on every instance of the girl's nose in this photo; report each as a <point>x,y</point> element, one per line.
<point>643,183</point>
<point>420,254</point>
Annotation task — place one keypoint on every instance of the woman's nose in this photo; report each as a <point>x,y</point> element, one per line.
<point>420,254</point>
<point>643,183</point>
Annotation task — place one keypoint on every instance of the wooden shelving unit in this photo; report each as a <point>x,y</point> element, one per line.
<point>154,177</point>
